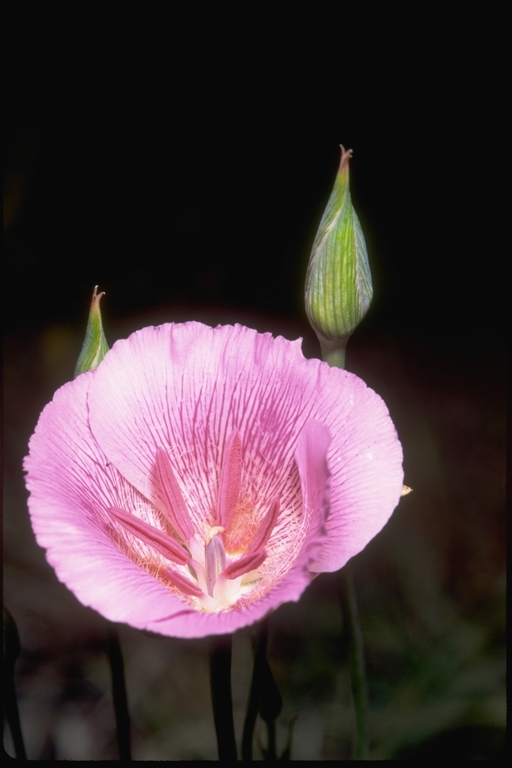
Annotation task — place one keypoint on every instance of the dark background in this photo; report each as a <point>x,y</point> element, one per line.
<point>183,165</point>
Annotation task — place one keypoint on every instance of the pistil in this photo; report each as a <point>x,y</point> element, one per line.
<point>215,561</point>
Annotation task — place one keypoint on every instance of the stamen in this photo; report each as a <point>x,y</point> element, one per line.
<point>175,506</point>
<point>265,528</point>
<point>183,584</point>
<point>245,564</point>
<point>151,535</point>
<point>230,476</point>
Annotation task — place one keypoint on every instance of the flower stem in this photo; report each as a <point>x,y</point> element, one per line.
<point>270,707</point>
<point>219,649</point>
<point>356,655</point>
<point>271,755</point>
<point>115,658</point>
<point>11,652</point>
<point>255,693</point>
<point>334,354</point>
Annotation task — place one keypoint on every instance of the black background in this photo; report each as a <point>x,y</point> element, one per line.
<point>171,162</point>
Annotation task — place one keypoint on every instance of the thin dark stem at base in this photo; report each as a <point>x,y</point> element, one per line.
<point>271,747</point>
<point>12,649</point>
<point>12,715</point>
<point>219,649</point>
<point>356,654</point>
<point>119,695</point>
<point>257,681</point>
<point>271,705</point>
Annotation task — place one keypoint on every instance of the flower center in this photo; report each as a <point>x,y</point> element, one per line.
<point>214,567</point>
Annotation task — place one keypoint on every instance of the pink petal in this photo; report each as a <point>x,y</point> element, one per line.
<point>311,457</point>
<point>187,390</point>
<point>365,462</point>
<point>67,505</point>
<point>190,387</point>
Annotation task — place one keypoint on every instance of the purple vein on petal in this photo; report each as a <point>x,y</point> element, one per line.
<point>160,541</point>
<point>265,528</point>
<point>176,508</point>
<point>245,564</point>
<point>183,584</point>
<point>229,485</point>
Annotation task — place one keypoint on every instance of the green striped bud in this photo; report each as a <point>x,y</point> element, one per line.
<point>95,345</point>
<point>338,281</point>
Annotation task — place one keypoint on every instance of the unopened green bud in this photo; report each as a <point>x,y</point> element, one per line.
<point>338,281</point>
<point>95,345</point>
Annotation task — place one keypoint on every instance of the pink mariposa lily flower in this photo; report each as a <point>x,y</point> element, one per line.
<point>200,477</point>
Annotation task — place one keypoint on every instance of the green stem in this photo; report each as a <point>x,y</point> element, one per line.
<point>271,705</point>
<point>12,713</point>
<point>220,649</point>
<point>256,691</point>
<point>12,650</point>
<point>271,755</point>
<point>356,655</point>
<point>334,353</point>
<point>115,658</point>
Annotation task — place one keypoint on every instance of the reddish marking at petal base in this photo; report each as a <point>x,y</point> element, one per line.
<point>170,492</point>
<point>241,528</point>
<point>183,584</point>
<point>151,535</point>
<point>229,485</point>
<point>245,564</point>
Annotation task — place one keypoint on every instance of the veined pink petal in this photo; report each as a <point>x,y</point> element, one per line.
<point>190,387</point>
<point>67,506</point>
<point>314,472</point>
<point>365,462</point>
<point>311,457</point>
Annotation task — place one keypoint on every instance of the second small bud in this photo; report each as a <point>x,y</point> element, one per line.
<point>95,345</point>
